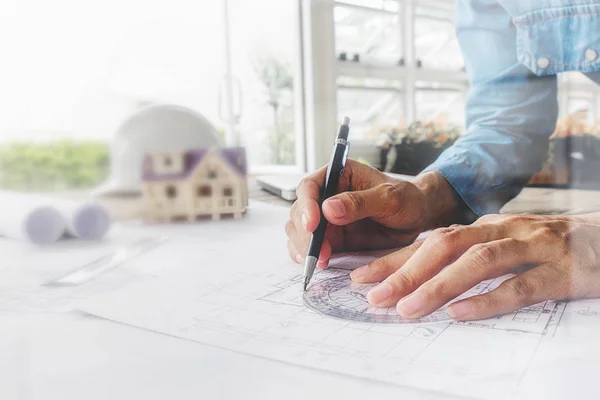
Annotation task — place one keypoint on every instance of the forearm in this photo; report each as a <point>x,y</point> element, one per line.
<point>510,113</point>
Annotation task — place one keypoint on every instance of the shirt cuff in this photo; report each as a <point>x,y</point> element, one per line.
<point>479,184</point>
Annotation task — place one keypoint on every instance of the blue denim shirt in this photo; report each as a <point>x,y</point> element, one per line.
<point>513,50</point>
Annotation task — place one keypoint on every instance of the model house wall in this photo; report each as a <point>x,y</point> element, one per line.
<point>168,163</point>
<point>195,184</point>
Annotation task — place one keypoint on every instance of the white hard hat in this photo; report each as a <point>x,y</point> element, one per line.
<point>153,129</point>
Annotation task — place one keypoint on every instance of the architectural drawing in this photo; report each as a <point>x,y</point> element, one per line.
<point>251,301</point>
<point>56,281</point>
<point>337,296</point>
<point>260,311</point>
<point>341,298</point>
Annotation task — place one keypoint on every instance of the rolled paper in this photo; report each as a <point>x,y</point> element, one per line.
<point>26,217</point>
<point>87,221</point>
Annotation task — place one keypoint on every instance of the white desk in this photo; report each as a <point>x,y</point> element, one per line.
<point>74,356</point>
<point>77,357</point>
<point>66,356</point>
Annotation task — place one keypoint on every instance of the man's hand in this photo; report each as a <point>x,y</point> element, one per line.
<point>553,258</point>
<point>372,211</point>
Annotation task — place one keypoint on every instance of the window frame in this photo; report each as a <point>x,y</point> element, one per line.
<point>322,69</point>
<point>204,191</point>
<point>299,101</point>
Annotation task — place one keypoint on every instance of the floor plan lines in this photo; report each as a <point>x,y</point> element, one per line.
<point>260,311</point>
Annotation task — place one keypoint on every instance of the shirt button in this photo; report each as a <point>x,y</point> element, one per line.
<point>543,63</point>
<point>591,55</point>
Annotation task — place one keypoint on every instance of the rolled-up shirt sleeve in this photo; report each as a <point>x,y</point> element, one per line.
<point>511,112</point>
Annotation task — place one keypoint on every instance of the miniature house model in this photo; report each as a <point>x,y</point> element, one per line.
<point>197,183</point>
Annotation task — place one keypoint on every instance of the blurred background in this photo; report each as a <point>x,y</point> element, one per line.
<point>273,76</point>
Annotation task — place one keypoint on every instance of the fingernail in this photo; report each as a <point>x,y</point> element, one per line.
<point>460,310</point>
<point>359,273</point>
<point>337,208</point>
<point>299,258</point>
<point>411,305</point>
<point>322,264</point>
<point>304,220</point>
<point>380,293</point>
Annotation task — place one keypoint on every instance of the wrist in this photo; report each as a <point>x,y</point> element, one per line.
<point>444,205</point>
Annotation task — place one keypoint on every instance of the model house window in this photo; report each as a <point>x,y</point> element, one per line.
<point>228,192</point>
<point>168,162</point>
<point>230,202</point>
<point>204,191</point>
<point>171,192</point>
<point>212,174</point>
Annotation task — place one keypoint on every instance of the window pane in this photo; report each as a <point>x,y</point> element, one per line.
<point>578,77</point>
<point>204,191</point>
<point>265,63</point>
<point>372,110</point>
<point>373,35</point>
<point>581,111</point>
<point>447,107</point>
<point>581,108</point>
<point>435,40</point>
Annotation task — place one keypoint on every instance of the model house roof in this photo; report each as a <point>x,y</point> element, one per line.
<point>235,157</point>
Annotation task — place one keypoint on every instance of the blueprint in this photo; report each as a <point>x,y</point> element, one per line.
<point>341,298</point>
<point>55,279</point>
<point>236,289</point>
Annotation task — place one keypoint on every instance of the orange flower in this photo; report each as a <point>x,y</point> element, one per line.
<point>442,138</point>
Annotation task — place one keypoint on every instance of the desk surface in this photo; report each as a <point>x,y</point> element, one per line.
<point>74,356</point>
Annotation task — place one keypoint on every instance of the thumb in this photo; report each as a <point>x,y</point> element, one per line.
<point>349,207</point>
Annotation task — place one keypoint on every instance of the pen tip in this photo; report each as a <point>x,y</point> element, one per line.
<point>346,121</point>
<point>306,281</point>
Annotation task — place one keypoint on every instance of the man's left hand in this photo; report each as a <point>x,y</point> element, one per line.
<point>552,257</point>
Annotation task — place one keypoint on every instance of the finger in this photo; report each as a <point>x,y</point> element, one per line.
<point>298,242</point>
<point>290,228</point>
<point>534,286</point>
<point>383,267</point>
<point>441,248</point>
<point>300,224</point>
<point>325,255</point>
<point>306,214</point>
<point>306,208</point>
<point>290,231</point>
<point>377,202</point>
<point>357,177</point>
<point>295,242</point>
<point>294,254</point>
<point>479,263</point>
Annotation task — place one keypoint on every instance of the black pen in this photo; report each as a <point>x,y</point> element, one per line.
<point>335,170</point>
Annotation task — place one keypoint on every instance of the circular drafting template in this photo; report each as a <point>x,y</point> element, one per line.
<point>343,299</point>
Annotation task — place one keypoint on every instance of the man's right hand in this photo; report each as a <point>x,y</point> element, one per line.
<point>372,211</point>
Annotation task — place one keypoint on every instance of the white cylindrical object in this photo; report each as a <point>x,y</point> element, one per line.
<point>25,217</point>
<point>87,221</point>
